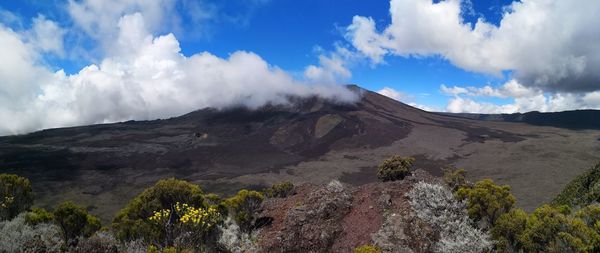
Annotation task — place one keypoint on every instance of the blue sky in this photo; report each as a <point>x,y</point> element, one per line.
<point>445,65</point>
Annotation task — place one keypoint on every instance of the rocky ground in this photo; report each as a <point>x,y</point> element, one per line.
<point>338,218</point>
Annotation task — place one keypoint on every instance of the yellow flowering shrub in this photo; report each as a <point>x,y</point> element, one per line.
<point>133,223</point>
<point>204,218</point>
<point>161,216</point>
<point>186,223</point>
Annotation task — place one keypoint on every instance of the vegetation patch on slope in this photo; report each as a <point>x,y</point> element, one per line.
<point>582,191</point>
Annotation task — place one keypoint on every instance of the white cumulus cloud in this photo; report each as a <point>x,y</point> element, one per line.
<point>99,18</point>
<point>392,93</point>
<point>146,77</point>
<point>404,98</point>
<point>330,70</point>
<point>46,36</point>
<point>525,99</point>
<point>512,89</point>
<point>551,44</point>
<point>333,67</point>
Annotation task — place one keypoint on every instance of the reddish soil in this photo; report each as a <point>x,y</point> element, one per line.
<point>370,203</point>
<point>364,218</point>
<point>277,208</point>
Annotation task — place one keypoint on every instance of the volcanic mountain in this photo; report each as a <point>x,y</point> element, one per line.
<point>309,140</point>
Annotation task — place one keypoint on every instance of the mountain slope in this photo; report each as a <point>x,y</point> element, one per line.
<point>310,140</point>
<point>578,119</point>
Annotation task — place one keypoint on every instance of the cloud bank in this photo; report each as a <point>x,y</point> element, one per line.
<point>467,99</point>
<point>404,98</point>
<point>548,44</point>
<point>525,99</point>
<point>143,77</point>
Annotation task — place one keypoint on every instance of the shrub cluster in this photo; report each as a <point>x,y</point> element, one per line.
<point>243,206</point>
<point>280,190</point>
<point>177,216</point>
<point>581,191</point>
<point>455,178</point>
<point>132,222</point>
<point>35,229</point>
<point>16,195</point>
<point>170,213</point>
<point>548,229</point>
<point>395,168</point>
<point>75,222</point>
<point>486,201</point>
<point>171,216</point>
<point>37,216</point>
<point>17,235</point>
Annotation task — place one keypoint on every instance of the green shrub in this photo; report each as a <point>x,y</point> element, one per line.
<point>486,201</point>
<point>455,178</point>
<point>366,249</point>
<point>280,190</point>
<point>171,213</point>
<point>152,249</point>
<point>581,191</point>
<point>551,229</point>
<point>395,168</point>
<point>242,207</point>
<point>132,222</point>
<point>170,250</point>
<point>548,229</point>
<point>37,216</point>
<point>186,226</point>
<point>212,199</point>
<point>16,195</point>
<point>74,221</point>
<point>508,230</point>
<point>591,216</point>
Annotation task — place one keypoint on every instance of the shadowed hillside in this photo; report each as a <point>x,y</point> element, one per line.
<point>578,119</point>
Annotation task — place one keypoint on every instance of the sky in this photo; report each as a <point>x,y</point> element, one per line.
<point>77,62</point>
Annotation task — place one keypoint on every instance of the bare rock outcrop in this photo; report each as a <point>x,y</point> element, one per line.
<point>339,218</point>
<point>312,225</point>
